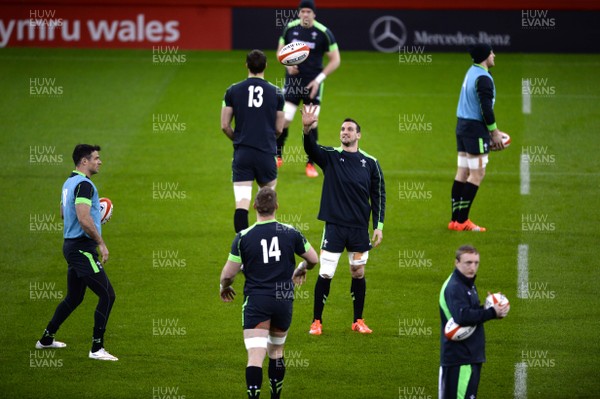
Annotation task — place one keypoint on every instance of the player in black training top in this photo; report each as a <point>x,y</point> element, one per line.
<point>304,82</point>
<point>353,192</point>
<point>257,107</point>
<point>267,250</point>
<point>460,361</point>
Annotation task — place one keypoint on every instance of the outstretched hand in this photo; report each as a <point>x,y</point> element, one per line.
<point>309,117</point>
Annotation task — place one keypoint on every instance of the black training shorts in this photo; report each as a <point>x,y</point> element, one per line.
<point>259,308</point>
<point>250,164</point>
<point>472,137</point>
<point>336,238</point>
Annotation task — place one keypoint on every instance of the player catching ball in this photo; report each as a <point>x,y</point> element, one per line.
<point>353,192</point>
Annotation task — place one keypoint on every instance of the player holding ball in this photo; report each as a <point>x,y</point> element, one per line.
<point>476,134</point>
<point>461,361</point>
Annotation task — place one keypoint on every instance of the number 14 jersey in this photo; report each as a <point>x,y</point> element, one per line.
<point>266,249</point>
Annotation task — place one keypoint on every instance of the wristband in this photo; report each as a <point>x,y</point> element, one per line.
<point>320,78</point>
<point>302,266</point>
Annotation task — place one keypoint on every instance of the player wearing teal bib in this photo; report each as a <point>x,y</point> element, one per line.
<point>476,134</point>
<point>80,210</point>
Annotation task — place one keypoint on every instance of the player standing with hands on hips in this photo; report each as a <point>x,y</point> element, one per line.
<point>80,210</point>
<point>304,82</point>
<point>353,192</point>
<point>257,107</point>
<point>266,250</point>
<point>476,134</point>
<point>460,361</point>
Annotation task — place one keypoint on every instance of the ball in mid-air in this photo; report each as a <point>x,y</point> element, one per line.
<point>455,332</point>
<point>293,53</point>
<point>106,210</point>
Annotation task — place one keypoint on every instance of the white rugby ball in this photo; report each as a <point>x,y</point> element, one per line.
<point>505,140</point>
<point>106,210</point>
<point>455,332</point>
<point>497,298</point>
<point>293,53</point>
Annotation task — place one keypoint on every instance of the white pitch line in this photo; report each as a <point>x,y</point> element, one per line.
<point>524,174</point>
<point>526,96</point>
<point>520,380</point>
<point>524,165</point>
<point>523,272</point>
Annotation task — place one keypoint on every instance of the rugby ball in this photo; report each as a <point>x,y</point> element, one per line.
<point>106,210</point>
<point>497,298</point>
<point>455,332</point>
<point>505,140</point>
<point>294,53</point>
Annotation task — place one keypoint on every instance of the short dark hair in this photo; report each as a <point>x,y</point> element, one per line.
<point>266,201</point>
<point>83,151</point>
<point>466,249</point>
<point>353,121</point>
<point>256,61</point>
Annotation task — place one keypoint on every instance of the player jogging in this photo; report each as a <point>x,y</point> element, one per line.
<point>460,361</point>
<point>266,249</point>
<point>257,107</point>
<point>304,82</point>
<point>82,231</point>
<point>353,191</point>
<point>475,128</point>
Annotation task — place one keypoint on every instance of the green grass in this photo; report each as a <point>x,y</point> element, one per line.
<point>110,97</point>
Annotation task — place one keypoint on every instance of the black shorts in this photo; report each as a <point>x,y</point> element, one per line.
<point>259,308</point>
<point>472,137</point>
<point>336,238</point>
<point>295,91</point>
<point>250,164</point>
<point>457,382</point>
<point>82,256</point>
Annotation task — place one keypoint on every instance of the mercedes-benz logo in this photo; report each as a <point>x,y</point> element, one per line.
<point>387,34</point>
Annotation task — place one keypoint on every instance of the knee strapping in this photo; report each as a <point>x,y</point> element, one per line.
<point>328,262</point>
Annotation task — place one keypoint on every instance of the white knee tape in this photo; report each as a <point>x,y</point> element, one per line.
<point>289,110</point>
<point>242,193</point>
<point>358,258</point>
<point>463,162</point>
<point>256,342</point>
<point>329,262</point>
<point>276,340</point>
<point>478,162</point>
